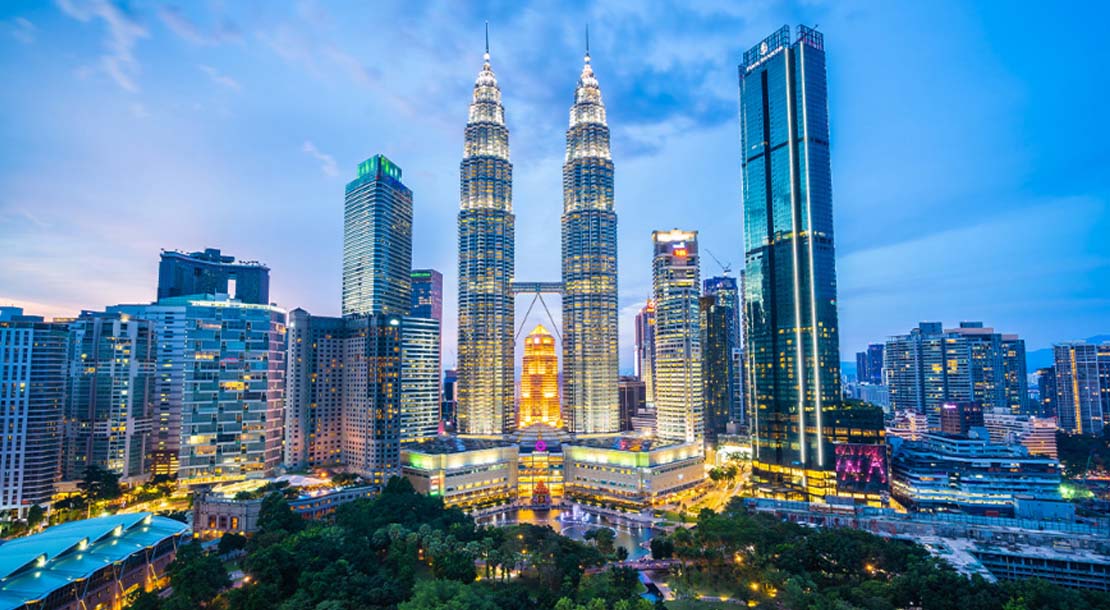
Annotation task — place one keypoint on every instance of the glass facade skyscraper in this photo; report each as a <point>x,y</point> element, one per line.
<point>717,365</point>
<point>679,401</point>
<point>486,264</point>
<point>729,402</point>
<point>644,355</point>
<point>32,399</point>
<point>427,294</point>
<point>589,267</point>
<point>377,241</point>
<point>112,359</point>
<point>1079,406</point>
<point>793,355</point>
<point>419,378</point>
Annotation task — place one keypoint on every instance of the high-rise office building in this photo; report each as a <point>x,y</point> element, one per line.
<point>791,334</point>
<point>932,366</point>
<point>539,381</point>
<point>1046,390</point>
<point>372,392</point>
<point>449,411</point>
<point>427,294</point>
<point>716,366</point>
<point>486,260</point>
<point>679,399</point>
<point>233,389</point>
<point>419,378</point>
<point>643,360</point>
<point>211,272</point>
<point>958,418</point>
<point>377,241</point>
<point>167,389</point>
<point>1079,407</point>
<point>589,266</point>
<point>869,364</point>
<point>726,306</point>
<point>109,404</point>
<point>633,399</point>
<point>33,369</point>
<point>315,370</point>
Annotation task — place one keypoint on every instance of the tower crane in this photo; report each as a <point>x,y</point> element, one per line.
<point>726,268</point>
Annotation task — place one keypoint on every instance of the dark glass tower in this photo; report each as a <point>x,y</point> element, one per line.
<point>589,266</point>
<point>486,255</point>
<point>790,290</point>
<point>377,241</point>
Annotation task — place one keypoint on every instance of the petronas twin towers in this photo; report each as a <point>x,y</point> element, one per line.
<point>487,291</point>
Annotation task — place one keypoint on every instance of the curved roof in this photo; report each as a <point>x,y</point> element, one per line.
<point>33,566</point>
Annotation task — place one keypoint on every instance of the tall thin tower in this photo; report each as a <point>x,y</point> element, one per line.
<point>790,297</point>
<point>589,265</point>
<point>486,256</point>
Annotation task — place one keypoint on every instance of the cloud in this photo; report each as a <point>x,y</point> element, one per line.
<point>327,162</point>
<point>23,30</point>
<point>176,20</point>
<point>139,111</point>
<point>221,79</point>
<point>119,62</point>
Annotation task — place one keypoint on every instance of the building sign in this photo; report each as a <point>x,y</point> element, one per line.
<point>862,468</point>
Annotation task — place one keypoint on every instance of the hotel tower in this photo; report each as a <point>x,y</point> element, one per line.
<point>589,266</point>
<point>790,276</point>
<point>486,320</point>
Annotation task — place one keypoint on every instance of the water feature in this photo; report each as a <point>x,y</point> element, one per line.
<point>575,522</point>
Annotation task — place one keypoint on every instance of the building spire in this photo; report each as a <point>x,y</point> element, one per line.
<point>587,43</point>
<point>487,41</point>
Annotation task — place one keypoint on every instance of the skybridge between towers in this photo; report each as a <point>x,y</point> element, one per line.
<point>537,290</point>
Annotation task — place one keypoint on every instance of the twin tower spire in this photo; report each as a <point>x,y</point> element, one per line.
<point>487,333</point>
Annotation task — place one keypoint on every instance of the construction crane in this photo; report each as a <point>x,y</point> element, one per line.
<point>726,268</point>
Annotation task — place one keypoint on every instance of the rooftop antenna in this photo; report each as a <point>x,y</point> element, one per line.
<point>587,42</point>
<point>487,41</point>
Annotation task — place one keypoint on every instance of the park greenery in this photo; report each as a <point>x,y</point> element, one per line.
<point>764,562</point>
<point>405,551</point>
<point>401,550</point>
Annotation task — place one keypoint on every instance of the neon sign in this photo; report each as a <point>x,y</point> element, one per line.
<point>862,468</point>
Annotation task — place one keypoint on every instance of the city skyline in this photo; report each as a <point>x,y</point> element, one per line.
<point>670,101</point>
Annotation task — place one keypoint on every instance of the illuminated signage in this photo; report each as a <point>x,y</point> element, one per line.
<point>861,468</point>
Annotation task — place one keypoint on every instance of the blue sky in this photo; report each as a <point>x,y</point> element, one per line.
<point>971,173</point>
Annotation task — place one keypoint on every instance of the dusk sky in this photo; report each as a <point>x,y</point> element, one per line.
<point>971,172</point>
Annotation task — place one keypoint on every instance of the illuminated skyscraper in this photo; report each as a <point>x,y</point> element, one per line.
<point>790,277</point>
<point>644,358</point>
<point>377,241</point>
<point>486,258</point>
<point>539,381</point>
<point>1079,406</point>
<point>679,402</point>
<point>589,266</point>
<point>32,401</point>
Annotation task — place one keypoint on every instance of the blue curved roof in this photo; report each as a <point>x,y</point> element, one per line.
<point>33,566</point>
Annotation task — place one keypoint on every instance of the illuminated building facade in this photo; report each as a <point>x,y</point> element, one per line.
<point>726,309</point>
<point>233,389</point>
<point>644,357</point>
<point>108,395</point>
<point>314,391</point>
<point>467,473</point>
<point>589,266</point>
<point>419,378</point>
<point>1079,407</point>
<point>33,369</point>
<point>486,260</point>
<point>167,390</point>
<point>377,241</point>
<point>539,382</point>
<point>427,294</point>
<point>791,332</point>
<point>630,474</point>
<point>971,475</point>
<point>1037,434</point>
<point>679,401</point>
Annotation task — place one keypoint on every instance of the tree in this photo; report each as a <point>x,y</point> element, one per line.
<point>196,576</point>
<point>99,484</point>
<point>447,595</point>
<point>275,515</point>
<point>622,553</point>
<point>142,600</point>
<point>230,542</point>
<point>662,548</point>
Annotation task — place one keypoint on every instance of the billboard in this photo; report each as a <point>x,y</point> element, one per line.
<point>862,468</point>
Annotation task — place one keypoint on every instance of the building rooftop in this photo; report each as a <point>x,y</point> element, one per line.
<point>455,444</point>
<point>34,566</point>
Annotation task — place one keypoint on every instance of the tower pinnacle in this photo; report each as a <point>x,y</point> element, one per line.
<point>587,43</point>
<point>486,56</point>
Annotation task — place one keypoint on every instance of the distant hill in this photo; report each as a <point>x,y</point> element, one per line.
<point>1041,358</point>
